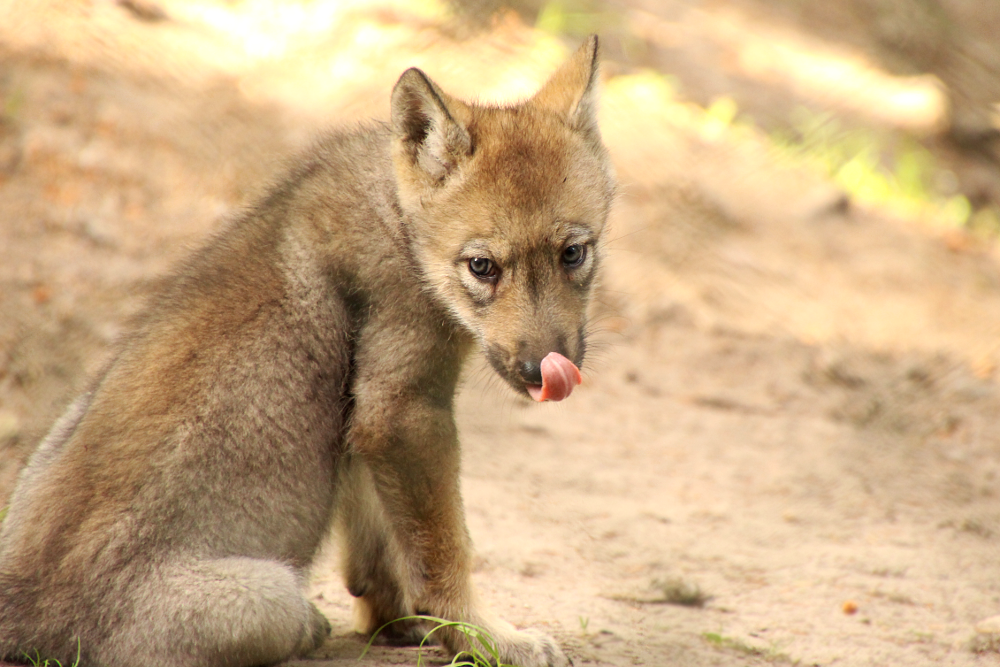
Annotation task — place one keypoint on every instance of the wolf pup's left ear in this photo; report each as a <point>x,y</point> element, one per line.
<point>571,91</point>
<point>429,126</point>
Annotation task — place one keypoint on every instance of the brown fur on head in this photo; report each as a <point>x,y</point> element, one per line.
<point>507,206</point>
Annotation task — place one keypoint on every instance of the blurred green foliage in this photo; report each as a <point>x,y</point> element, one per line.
<point>897,173</point>
<point>577,19</point>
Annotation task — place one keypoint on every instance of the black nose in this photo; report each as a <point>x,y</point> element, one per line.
<point>531,372</point>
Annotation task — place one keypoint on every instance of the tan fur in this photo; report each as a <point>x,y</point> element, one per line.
<point>299,372</point>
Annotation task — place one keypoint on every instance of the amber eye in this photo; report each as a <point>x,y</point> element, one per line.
<point>482,267</point>
<point>574,255</point>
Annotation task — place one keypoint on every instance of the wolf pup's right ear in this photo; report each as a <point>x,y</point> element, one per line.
<point>571,92</point>
<point>429,128</point>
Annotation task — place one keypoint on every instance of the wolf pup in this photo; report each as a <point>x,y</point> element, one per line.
<point>298,373</point>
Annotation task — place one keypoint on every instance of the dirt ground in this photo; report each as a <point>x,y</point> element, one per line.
<point>791,417</point>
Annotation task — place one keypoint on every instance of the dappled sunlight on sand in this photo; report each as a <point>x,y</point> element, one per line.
<point>838,78</point>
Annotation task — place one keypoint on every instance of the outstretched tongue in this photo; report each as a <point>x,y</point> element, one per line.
<point>559,376</point>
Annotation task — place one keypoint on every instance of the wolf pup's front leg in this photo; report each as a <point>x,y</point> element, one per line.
<point>502,214</point>
<point>408,548</point>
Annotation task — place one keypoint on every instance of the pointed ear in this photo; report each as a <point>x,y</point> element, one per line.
<point>428,126</point>
<point>571,91</point>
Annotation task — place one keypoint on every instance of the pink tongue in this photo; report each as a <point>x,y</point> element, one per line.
<point>559,376</point>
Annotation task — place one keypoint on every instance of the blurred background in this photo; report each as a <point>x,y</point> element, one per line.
<point>787,445</point>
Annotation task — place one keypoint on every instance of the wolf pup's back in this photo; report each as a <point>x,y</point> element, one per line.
<point>297,374</point>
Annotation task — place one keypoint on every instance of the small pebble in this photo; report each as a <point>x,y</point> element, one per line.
<point>850,607</point>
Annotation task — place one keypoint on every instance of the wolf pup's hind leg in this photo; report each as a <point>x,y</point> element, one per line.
<point>218,612</point>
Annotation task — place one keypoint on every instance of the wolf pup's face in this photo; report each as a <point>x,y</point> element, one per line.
<point>505,208</point>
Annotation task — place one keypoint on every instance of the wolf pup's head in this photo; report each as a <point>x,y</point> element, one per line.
<point>505,207</point>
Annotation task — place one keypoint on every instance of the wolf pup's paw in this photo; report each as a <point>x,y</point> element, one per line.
<point>366,621</point>
<point>531,648</point>
<point>317,630</point>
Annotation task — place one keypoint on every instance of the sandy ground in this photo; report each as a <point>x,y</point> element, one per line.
<point>790,414</point>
